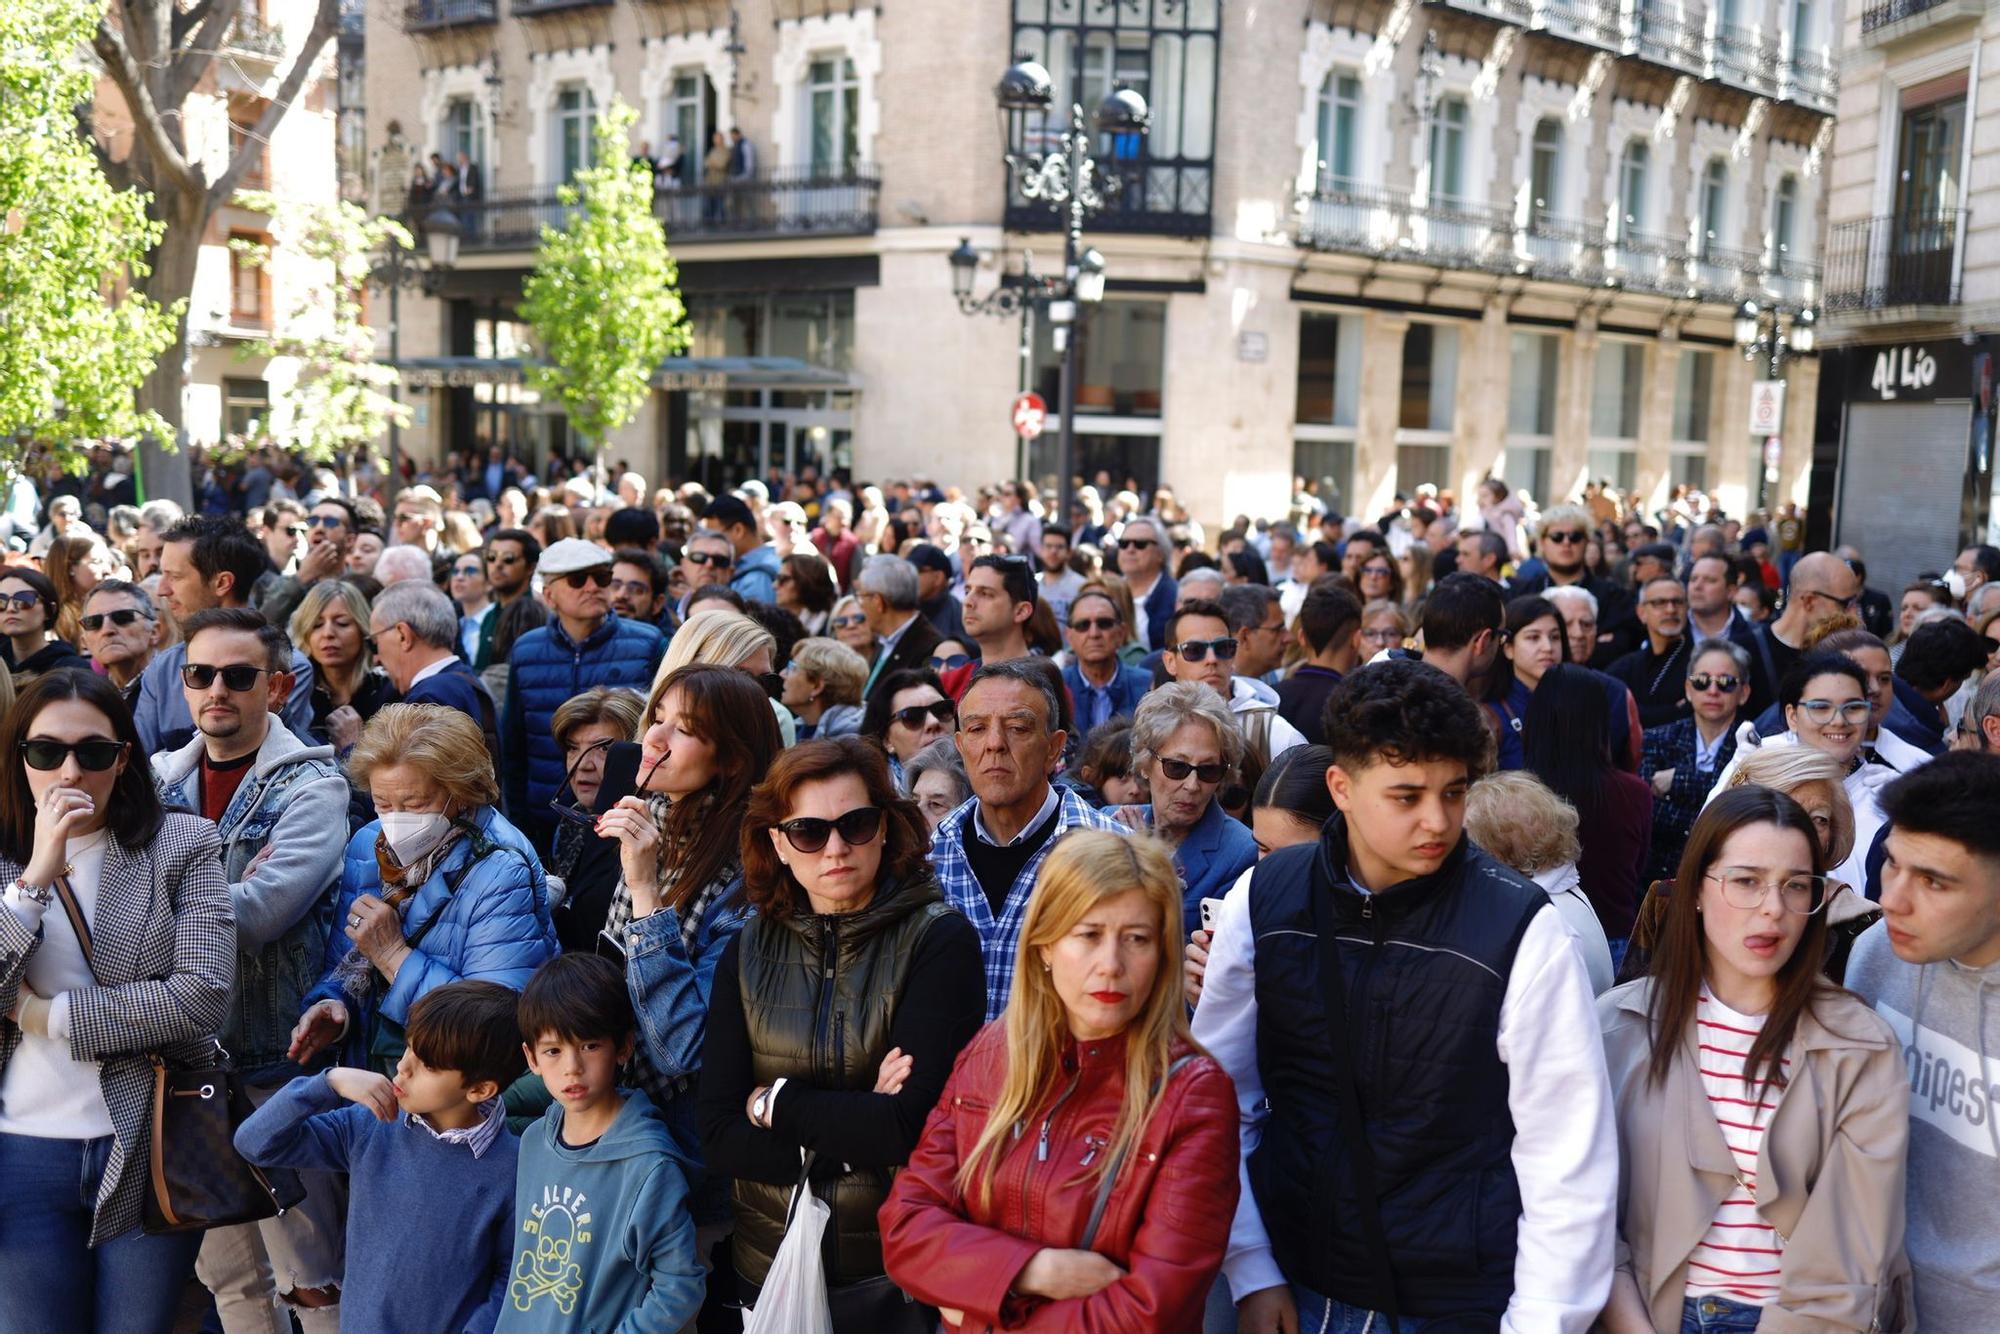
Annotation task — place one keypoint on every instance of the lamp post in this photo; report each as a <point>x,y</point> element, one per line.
<point>1774,336</point>
<point>399,268</point>
<point>1072,179</point>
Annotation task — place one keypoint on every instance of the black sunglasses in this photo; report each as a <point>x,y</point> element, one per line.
<point>325,521</point>
<point>601,576</point>
<point>238,677</point>
<point>1177,770</point>
<point>942,709</point>
<point>710,558</point>
<point>1703,681</point>
<point>95,755</point>
<point>1135,543</point>
<point>809,834</point>
<point>950,661</point>
<point>1088,623</point>
<point>123,616</point>
<point>496,559</point>
<point>24,599</point>
<point>1564,537</point>
<point>1195,650</point>
<point>469,570</point>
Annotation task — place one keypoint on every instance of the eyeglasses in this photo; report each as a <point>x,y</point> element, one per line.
<point>1745,887</point>
<point>784,579</point>
<point>1567,536</point>
<point>122,617</point>
<point>1848,603</point>
<point>95,755</point>
<point>1102,624</point>
<point>24,599</point>
<point>1383,637</point>
<point>849,622</point>
<point>1376,572</point>
<point>295,530</point>
<point>715,558</point>
<point>949,662</point>
<point>1702,681</point>
<point>468,571</point>
<point>496,559</point>
<point>1820,712</point>
<point>857,827</point>
<point>941,709</point>
<point>600,576</point>
<point>1178,770</point>
<point>325,521</point>
<point>1197,650</point>
<point>1135,543</point>
<point>236,678</point>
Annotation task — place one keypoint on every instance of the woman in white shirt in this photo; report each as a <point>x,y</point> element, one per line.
<point>77,804</point>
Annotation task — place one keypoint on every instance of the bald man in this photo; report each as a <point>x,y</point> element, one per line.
<point>1821,588</point>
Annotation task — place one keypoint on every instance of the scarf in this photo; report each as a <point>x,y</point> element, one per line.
<point>670,858</point>
<point>356,974</point>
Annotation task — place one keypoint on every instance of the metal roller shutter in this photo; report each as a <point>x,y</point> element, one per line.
<point>1902,478</point>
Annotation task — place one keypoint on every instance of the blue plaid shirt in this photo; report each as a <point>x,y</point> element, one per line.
<point>998,937</point>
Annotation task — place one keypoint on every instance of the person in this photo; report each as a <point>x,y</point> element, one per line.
<point>416,637</point>
<point>708,558</point>
<point>29,645</point>
<point>937,781</point>
<point>475,604</point>
<point>74,565</point>
<point>937,573</point>
<point>1918,598</point>
<point>988,851</point>
<point>1327,630</point>
<point>1532,642</point>
<point>119,626</point>
<point>434,1143</point>
<point>1928,969</point>
<point>1682,759</point>
<point>1656,672</point>
<point>585,644</point>
<point>419,518</point>
<point>1519,820</point>
<point>1258,622</point>
<point>1000,600</point>
<point>1482,552</point>
<point>1940,657</point>
<point>1477,1218</point>
<point>756,566</point>
<point>363,551</point>
<point>849,624</point>
<point>1561,542</point>
<point>1102,685</point>
<point>823,683</point>
<point>1883,742</point>
<point>1711,614</point>
<point>511,557</point>
<point>1762,1119</point>
<point>726,638</point>
<point>1142,563</point>
<point>1102,774</point>
<point>805,587</point>
<point>1380,579</point>
<point>1384,626</point>
<point>586,728</point>
<point>715,177</point>
<point>440,886</point>
<point>348,689</point>
<point>605,1239</point>
<point>1000,1229</point>
<point>1974,566</point>
<point>1201,649</point>
<point>1819,589</point>
<point>76,1058</point>
<point>909,713</point>
<point>852,950</point>
<point>836,541</point>
<point>205,562</point>
<point>1186,745</point>
<point>1056,581</point>
<point>887,588</point>
<point>403,562</point>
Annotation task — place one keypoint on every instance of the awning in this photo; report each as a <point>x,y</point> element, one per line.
<point>674,374</point>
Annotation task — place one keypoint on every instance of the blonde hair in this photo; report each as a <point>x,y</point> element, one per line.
<point>315,604</point>
<point>720,638</point>
<point>834,665</point>
<point>1789,768</point>
<point>1084,869</point>
<point>1520,820</point>
<point>441,743</point>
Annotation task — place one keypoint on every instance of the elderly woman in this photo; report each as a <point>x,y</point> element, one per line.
<point>1092,1056</point>
<point>331,626</point>
<point>28,643</point>
<point>586,863</point>
<point>806,589</point>
<point>849,624</point>
<point>438,889</point>
<point>938,781</point>
<point>823,684</point>
<point>1519,820</point>
<point>1187,745</point>
<point>836,1017</point>
<point>80,821</point>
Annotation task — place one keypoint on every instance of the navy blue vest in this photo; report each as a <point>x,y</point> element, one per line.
<point>1425,965</point>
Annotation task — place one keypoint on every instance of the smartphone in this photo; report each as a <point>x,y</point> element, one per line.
<point>621,774</point>
<point>1210,910</point>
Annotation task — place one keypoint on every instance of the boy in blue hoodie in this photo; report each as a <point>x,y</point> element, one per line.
<point>605,1241</point>
<point>432,1147</point>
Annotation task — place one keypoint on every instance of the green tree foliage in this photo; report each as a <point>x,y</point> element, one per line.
<point>604,300</point>
<point>340,403</point>
<point>74,340</point>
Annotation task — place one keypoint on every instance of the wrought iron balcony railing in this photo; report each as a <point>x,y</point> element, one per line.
<point>1896,260</point>
<point>428,15</point>
<point>249,35</point>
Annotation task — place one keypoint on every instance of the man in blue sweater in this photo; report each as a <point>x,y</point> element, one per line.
<point>432,1147</point>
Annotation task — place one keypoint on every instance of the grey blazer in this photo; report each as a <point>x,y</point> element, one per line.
<point>165,941</point>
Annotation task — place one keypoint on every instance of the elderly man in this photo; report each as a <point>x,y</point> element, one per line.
<point>1102,686</point>
<point>119,626</point>
<point>1142,559</point>
<point>417,640</point>
<point>403,562</point>
<point>886,588</point>
<point>1656,671</point>
<point>708,558</point>
<point>988,851</point>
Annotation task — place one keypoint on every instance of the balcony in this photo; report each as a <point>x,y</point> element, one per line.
<point>1721,273</point>
<point>1893,263</point>
<point>434,15</point>
<point>537,8</point>
<point>781,204</point>
<point>1665,38</point>
<point>1887,22</point>
<point>1592,22</point>
<point>1156,196</point>
<point>255,38</point>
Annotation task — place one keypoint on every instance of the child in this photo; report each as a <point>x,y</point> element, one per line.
<point>605,1238</point>
<point>449,1166</point>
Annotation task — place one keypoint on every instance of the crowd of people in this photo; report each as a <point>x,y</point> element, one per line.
<point>629,909</point>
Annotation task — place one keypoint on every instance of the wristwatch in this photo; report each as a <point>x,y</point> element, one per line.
<point>43,895</point>
<point>760,1109</point>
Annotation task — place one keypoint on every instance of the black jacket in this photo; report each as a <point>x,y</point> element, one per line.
<point>914,649</point>
<point>1658,681</point>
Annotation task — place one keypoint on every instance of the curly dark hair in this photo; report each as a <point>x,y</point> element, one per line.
<point>1405,711</point>
<point>768,884</point>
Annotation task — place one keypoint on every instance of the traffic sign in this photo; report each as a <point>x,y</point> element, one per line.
<point>1031,415</point>
<point>1767,407</point>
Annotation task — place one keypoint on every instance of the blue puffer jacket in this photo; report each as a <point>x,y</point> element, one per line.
<point>547,668</point>
<point>485,919</point>
<point>756,576</point>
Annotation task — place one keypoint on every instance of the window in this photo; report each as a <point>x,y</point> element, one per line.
<point>1694,388</point>
<point>1802,29</point>
<point>1545,170</point>
<point>576,117</point>
<point>690,111</point>
<point>1120,357</point>
<point>1634,166</point>
<point>1430,377</point>
<point>833,108</point>
<point>1714,203</point>
<point>1339,130</point>
<point>246,407</point>
<point>1615,391</point>
<point>1448,151</point>
<point>1531,391</point>
<point>244,113</point>
<point>249,283</point>
<point>464,131</point>
<point>1329,385</point>
<point>1784,216</point>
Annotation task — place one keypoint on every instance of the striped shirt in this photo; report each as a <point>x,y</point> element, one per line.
<point>1739,1256</point>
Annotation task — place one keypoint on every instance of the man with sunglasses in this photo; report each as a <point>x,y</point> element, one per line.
<point>329,530</point>
<point>1102,685</point>
<point>119,625</point>
<point>281,809</point>
<point>707,558</point>
<point>1142,559</point>
<point>585,644</point>
<point>1821,588</point>
<point>1201,648</point>
<point>1560,541</point>
<point>511,555</point>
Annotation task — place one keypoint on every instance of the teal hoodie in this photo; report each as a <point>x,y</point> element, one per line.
<point>605,1242</point>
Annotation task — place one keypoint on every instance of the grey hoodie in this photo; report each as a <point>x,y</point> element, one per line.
<point>1948,1018</point>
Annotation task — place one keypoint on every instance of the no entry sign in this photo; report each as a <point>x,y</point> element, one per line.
<point>1031,415</point>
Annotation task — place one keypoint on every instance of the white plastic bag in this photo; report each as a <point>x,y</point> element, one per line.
<point>794,1297</point>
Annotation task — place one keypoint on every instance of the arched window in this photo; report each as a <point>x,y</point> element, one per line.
<point>1635,166</point>
<point>1714,205</point>
<point>1545,170</point>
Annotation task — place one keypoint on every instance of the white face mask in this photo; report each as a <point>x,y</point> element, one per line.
<point>411,834</point>
<point>1955,581</point>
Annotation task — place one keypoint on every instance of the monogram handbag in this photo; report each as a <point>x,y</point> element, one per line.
<point>195,1179</point>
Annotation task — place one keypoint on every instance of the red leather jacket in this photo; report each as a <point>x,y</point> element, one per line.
<point>1166,1223</point>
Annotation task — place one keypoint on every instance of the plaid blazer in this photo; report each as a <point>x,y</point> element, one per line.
<point>1672,746</point>
<point>998,936</point>
<point>165,942</point>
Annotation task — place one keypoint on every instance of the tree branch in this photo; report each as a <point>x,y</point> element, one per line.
<point>187,20</point>
<point>253,144</point>
<point>171,166</point>
<point>196,56</point>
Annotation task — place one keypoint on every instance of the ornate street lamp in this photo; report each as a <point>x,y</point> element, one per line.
<point>1774,336</point>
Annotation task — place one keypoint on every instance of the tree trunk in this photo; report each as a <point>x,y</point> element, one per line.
<point>164,467</point>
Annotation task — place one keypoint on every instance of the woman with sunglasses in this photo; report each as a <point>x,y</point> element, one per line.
<point>722,637</point>
<point>908,710</point>
<point>1186,743</point>
<point>849,624</point>
<point>29,646</point>
<point>1682,760</point>
<point>331,625</point>
<point>77,803</point>
<point>1762,1112</point>
<point>836,1018</point>
<point>586,727</point>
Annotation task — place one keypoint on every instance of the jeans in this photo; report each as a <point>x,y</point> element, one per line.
<point>1618,948</point>
<point>51,1275</point>
<point>1717,1315</point>
<point>1325,1315</point>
